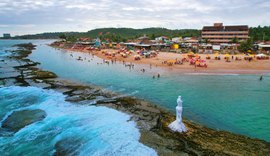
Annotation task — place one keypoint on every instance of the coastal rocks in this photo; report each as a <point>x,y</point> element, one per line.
<point>67,146</point>
<point>19,119</point>
<point>75,98</point>
<point>28,46</point>
<point>163,145</point>
<point>39,74</point>
<point>21,53</point>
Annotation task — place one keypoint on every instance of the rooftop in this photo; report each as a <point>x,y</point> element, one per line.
<point>220,27</point>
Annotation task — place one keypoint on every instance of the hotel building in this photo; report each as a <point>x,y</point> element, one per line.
<point>218,33</point>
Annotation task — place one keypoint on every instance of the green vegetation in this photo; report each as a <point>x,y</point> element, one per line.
<point>116,34</point>
<point>50,35</point>
<point>235,40</point>
<point>246,46</point>
<point>63,36</point>
<point>260,33</point>
<point>123,34</point>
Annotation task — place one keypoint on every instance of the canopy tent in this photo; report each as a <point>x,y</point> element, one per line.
<point>261,55</point>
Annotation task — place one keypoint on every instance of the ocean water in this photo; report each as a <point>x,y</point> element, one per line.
<point>90,130</point>
<point>236,103</point>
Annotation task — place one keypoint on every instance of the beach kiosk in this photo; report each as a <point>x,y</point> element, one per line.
<point>97,43</point>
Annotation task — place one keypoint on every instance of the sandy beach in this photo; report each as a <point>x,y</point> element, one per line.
<point>213,66</point>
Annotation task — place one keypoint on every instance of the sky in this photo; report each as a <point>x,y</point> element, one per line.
<point>20,17</point>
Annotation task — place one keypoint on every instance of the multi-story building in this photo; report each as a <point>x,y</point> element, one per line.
<point>6,36</point>
<point>218,33</point>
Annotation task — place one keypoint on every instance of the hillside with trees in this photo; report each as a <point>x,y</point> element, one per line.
<point>123,34</point>
<point>117,34</point>
<point>260,33</point>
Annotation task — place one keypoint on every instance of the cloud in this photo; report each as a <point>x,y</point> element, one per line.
<point>34,16</point>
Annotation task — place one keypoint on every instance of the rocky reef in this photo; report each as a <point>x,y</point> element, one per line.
<point>19,119</point>
<point>151,120</point>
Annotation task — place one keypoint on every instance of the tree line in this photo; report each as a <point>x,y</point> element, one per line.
<point>123,34</point>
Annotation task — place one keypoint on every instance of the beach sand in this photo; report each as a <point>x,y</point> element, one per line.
<point>213,66</point>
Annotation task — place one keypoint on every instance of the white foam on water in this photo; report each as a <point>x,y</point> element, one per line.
<point>92,130</point>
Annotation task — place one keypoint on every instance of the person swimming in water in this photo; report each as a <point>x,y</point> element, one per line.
<point>261,78</point>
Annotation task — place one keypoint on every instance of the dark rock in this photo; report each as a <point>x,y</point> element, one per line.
<point>28,46</point>
<point>103,101</point>
<point>67,146</point>
<point>39,74</point>
<point>163,145</point>
<point>19,119</point>
<point>21,53</point>
<point>127,101</point>
<point>62,89</point>
<point>75,98</point>
<point>78,92</point>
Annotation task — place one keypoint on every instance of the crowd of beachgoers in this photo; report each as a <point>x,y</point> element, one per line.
<point>185,62</point>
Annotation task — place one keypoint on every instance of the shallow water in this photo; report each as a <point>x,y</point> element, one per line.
<point>237,103</point>
<point>89,130</point>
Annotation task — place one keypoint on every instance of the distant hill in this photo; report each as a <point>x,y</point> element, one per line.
<point>123,34</point>
<point>49,35</point>
<point>117,34</point>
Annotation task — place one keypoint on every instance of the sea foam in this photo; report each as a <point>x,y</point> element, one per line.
<point>86,130</point>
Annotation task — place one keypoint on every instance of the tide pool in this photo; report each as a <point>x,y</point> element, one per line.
<point>236,103</point>
<point>83,130</point>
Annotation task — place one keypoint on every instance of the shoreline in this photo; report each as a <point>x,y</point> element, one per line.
<point>151,120</point>
<point>215,67</point>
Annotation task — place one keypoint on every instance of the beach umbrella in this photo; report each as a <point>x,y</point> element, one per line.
<point>171,61</point>
<point>227,55</point>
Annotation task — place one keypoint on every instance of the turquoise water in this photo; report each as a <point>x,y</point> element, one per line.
<point>237,103</point>
<point>91,130</point>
